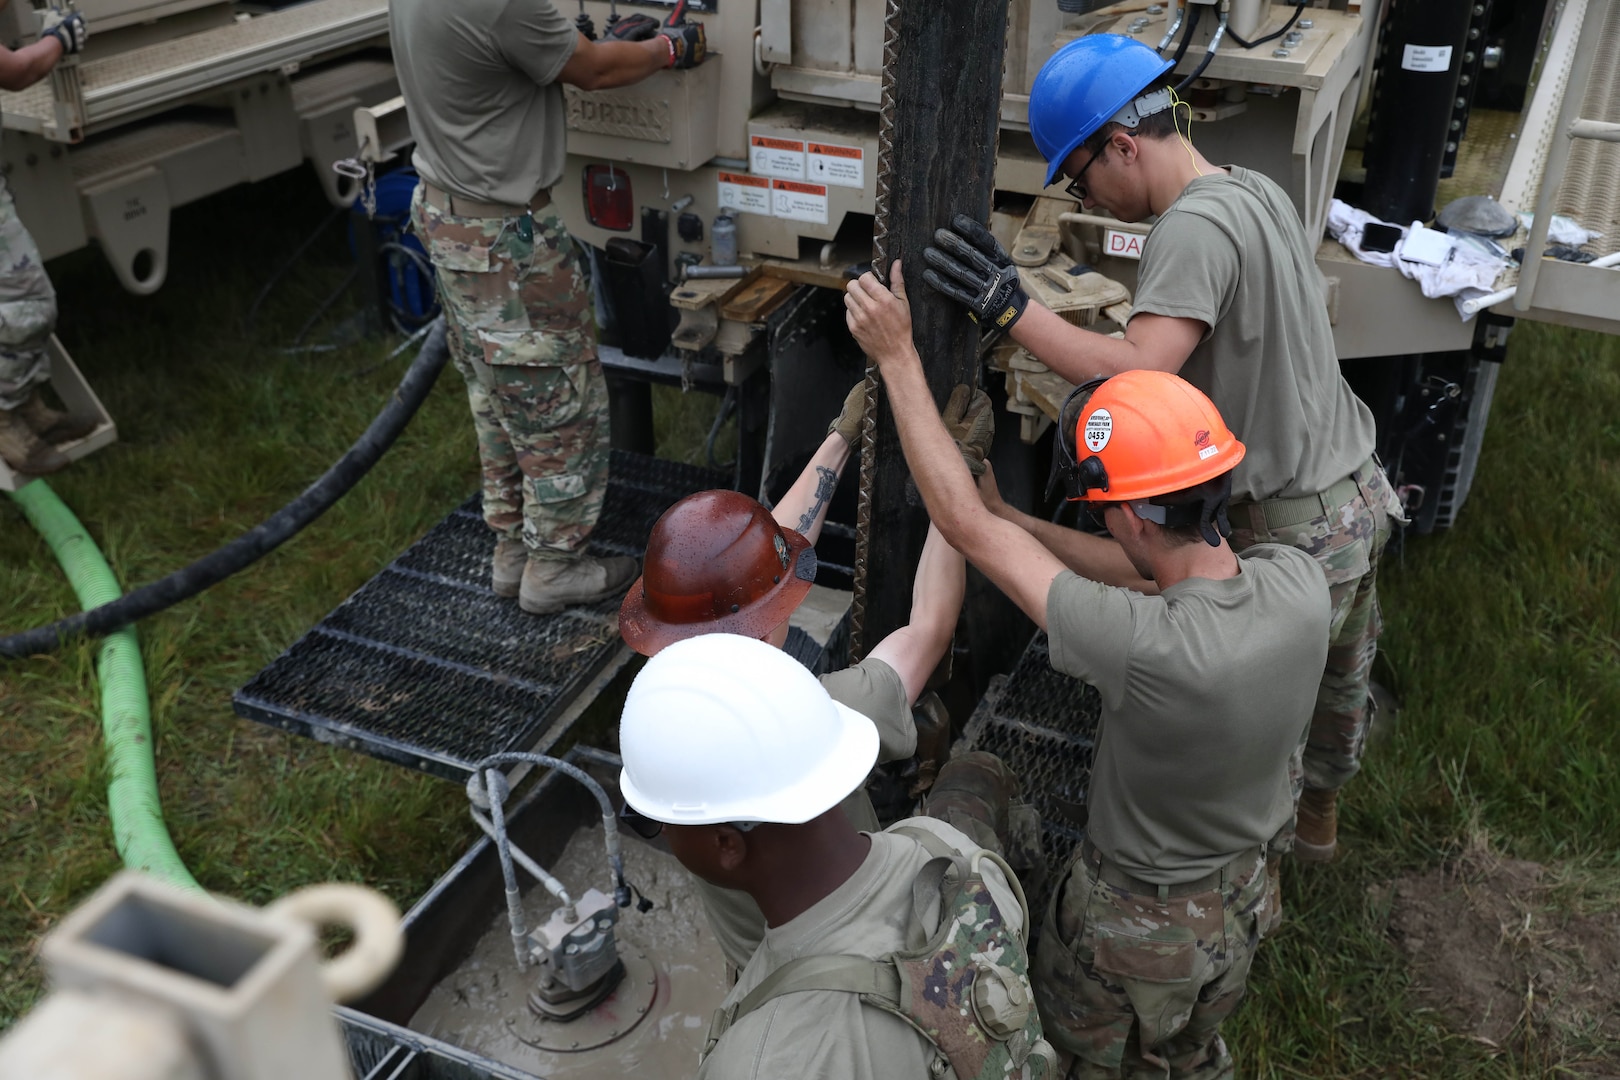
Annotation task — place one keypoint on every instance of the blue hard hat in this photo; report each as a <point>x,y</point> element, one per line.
<point>1081,88</point>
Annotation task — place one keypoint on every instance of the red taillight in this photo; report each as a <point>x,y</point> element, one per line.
<point>609,202</point>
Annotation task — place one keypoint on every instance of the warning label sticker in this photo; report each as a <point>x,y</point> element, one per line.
<point>776,157</point>
<point>799,202</point>
<point>744,193</point>
<point>840,166</point>
<point>1426,58</point>
<point>1099,429</point>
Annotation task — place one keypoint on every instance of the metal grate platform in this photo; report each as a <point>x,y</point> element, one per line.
<point>1043,724</point>
<point>426,667</point>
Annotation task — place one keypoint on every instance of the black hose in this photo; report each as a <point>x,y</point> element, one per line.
<point>265,537</point>
<point>1209,54</point>
<point>1186,36</point>
<point>1274,35</point>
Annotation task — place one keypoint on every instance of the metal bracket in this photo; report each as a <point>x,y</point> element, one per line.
<point>67,102</point>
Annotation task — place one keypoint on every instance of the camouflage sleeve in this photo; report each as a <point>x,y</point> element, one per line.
<point>873,689</point>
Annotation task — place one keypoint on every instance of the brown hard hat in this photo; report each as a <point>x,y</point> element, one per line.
<point>717,563</point>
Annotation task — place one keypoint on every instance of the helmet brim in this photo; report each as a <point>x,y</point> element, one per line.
<point>841,771</point>
<point>647,634</point>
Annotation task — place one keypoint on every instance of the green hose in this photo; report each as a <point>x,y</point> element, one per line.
<point>126,715</point>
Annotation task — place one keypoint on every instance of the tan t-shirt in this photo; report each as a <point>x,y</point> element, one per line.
<point>828,1035</point>
<point>479,80</point>
<point>1206,690</point>
<point>873,689</point>
<point>1231,253</point>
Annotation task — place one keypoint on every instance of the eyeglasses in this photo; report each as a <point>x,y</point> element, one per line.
<point>643,826</point>
<point>649,829</point>
<point>1075,187</point>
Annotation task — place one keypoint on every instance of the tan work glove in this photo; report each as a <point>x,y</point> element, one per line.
<point>972,423</point>
<point>849,420</point>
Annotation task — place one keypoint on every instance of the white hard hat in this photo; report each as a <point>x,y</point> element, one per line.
<point>726,728</point>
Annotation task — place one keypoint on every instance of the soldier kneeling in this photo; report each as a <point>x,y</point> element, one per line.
<point>894,954</point>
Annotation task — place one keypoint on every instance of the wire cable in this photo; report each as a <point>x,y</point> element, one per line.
<point>1274,35</point>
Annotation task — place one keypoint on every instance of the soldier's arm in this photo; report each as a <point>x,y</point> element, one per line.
<point>804,507</point>
<point>22,68</point>
<point>1009,556</point>
<point>915,650</point>
<point>1099,558</point>
<point>602,65</point>
<point>1154,342</point>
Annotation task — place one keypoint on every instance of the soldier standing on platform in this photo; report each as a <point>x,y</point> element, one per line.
<point>483,82</point>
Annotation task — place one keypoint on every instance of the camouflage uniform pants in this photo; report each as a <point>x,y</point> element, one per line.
<point>1347,542</point>
<point>27,309</point>
<point>523,336</point>
<point>1135,985</point>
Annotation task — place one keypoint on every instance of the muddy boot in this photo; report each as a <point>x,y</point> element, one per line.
<point>552,584</point>
<point>1316,834</point>
<point>51,425</point>
<point>506,573</point>
<point>23,450</point>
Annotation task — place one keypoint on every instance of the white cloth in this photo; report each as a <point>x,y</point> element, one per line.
<point>1562,230</point>
<point>1464,267</point>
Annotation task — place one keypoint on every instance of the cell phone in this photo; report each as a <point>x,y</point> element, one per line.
<point>1377,237</point>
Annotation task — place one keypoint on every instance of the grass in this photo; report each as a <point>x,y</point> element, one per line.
<point>1502,635</point>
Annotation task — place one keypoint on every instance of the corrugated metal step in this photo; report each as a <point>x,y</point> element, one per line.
<point>1043,724</point>
<point>424,666</point>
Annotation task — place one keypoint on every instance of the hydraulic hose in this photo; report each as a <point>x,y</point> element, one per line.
<point>264,538</point>
<point>133,806</point>
<point>1209,52</point>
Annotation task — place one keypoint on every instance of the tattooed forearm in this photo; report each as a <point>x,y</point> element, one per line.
<point>825,486</point>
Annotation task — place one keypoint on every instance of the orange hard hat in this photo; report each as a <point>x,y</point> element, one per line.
<point>1143,434</point>
<point>717,563</point>
<point>1152,439</point>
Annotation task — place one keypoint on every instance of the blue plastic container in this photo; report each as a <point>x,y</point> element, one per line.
<point>410,280</point>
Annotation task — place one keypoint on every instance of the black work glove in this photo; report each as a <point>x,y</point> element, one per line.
<point>632,28</point>
<point>688,43</point>
<point>66,27</point>
<point>971,268</point>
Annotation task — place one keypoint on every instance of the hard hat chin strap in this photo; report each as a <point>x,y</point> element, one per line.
<point>1146,105</point>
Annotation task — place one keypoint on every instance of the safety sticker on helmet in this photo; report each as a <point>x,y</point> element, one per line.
<point>1099,429</point>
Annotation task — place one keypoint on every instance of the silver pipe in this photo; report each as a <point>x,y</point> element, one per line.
<point>1181,12</point>
<point>699,272</point>
<point>521,857</point>
<point>610,821</point>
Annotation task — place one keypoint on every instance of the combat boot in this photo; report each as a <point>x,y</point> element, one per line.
<point>23,450</point>
<point>506,572</point>
<point>51,425</point>
<point>552,584</point>
<point>1316,836</point>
